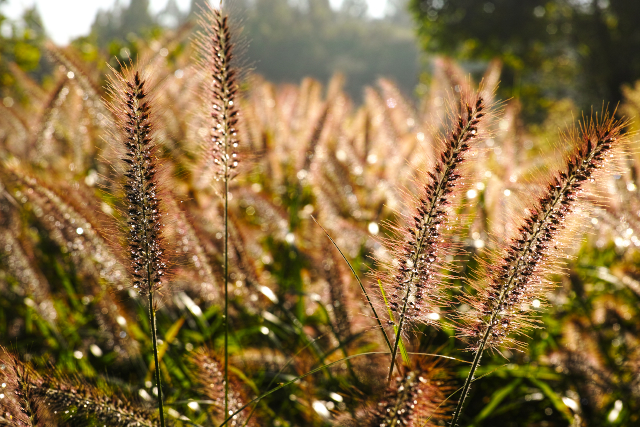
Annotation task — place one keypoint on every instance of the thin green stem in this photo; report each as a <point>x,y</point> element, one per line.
<point>469,380</point>
<point>154,336</point>
<point>226,293</point>
<point>403,351</point>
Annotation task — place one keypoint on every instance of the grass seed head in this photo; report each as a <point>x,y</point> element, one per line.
<point>416,399</point>
<point>217,64</point>
<point>132,107</point>
<point>517,277</point>
<point>416,290</point>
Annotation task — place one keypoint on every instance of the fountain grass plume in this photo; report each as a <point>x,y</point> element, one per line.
<point>80,403</point>
<point>217,63</point>
<point>20,406</point>
<point>216,49</point>
<point>33,400</point>
<point>416,289</point>
<point>211,380</point>
<point>418,398</point>
<point>502,307</point>
<point>132,108</point>
<point>144,217</point>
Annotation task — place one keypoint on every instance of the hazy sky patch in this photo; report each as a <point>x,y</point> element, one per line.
<point>67,19</point>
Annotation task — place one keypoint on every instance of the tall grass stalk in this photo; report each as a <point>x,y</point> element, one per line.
<point>132,109</point>
<point>216,49</point>
<point>226,296</point>
<point>518,277</point>
<point>416,289</point>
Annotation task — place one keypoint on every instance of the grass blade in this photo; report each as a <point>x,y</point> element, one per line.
<point>364,290</point>
<point>403,351</point>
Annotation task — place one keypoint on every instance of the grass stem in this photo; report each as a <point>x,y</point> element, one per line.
<point>226,294</point>
<point>469,380</point>
<point>154,337</point>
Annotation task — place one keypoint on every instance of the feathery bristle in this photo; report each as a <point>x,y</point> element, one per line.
<point>144,221</point>
<point>413,400</point>
<point>502,308</point>
<point>337,291</point>
<point>46,123</point>
<point>207,284</point>
<point>80,403</point>
<point>216,48</point>
<point>99,114</point>
<point>19,405</point>
<point>210,376</point>
<point>416,290</point>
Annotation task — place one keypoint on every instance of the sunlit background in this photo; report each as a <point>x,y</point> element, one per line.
<point>66,19</point>
<point>286,40</point>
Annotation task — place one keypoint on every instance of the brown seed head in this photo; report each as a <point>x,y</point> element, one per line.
<point>144,219</point>
<point>416,399</point>
<point>217,64</point>
<point>518,276</point>
<point>416,290</point>
<point>210,377</point>
<point>20,406</point>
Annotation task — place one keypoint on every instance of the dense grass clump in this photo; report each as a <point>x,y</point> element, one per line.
<point>198,254</point>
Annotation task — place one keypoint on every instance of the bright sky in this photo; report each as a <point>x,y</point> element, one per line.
<point>66,19</point>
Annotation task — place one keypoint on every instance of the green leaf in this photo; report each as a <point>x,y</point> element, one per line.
<point>403,351</point>
<point>168,339</point>
<point>497,397</point>
<point>555,399</point>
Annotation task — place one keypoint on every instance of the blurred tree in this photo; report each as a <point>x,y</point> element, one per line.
<point>585,49</point>
<point>171,16</point>
<point>288,42</point>
<point>20,43</point>
<point>318,8</point>
<point>121,21</point>
<point>355,8</point>
<point>136,17</point>
<point>397,11</point>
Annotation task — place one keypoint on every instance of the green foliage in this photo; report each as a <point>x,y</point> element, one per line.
<point>22,47</point>
<point>552,49</point>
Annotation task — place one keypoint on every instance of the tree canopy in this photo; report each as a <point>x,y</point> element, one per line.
<point>20,42</point>
<point>584,49</point>
<point>288,41</point>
